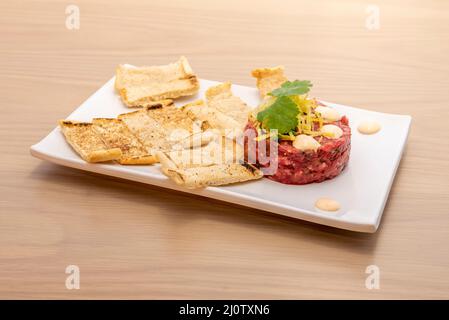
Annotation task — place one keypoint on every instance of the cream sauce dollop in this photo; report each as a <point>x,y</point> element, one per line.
<point>332,130</point>
<point>328,114</point>
<point>369,127</point>
<point>304,142</point>
<point>327,204</point>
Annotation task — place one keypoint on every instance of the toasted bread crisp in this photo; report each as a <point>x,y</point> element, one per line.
<point>212,175</point>
<point>144,86</point>
<point>217,163</point>
<point>220,97</point>
<point>217,175</point>
<point>115,134</point>
<point>159,128</point>
<point>215,119</point>
<point>146,129</point>
<point>171,118</point>
<point>218,150</point>
<point>269,79</point>
<point>223,111</point>
<point>87,143</point>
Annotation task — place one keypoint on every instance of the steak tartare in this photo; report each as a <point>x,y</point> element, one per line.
<point>312,141</point>
<point>303,167</point>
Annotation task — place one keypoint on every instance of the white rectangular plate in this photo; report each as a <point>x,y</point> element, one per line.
<point>362,188</point>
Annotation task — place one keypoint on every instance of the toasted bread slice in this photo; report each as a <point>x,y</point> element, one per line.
<point>217,163</point>
<point>147,130</point>
<point>269,79</point>
<point>219,150</point>
<point>172,118</point>
<point>217,175</point>
<point>215,119</point>
<point>221,98</point>
<point>115,134</point>
<point>141,86</point>
<point>87,143</point>
<point>159,128</point>
<point>213,175</point>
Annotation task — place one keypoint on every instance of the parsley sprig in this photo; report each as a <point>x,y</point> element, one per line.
<point>282,114</point>
<point>292,88</point>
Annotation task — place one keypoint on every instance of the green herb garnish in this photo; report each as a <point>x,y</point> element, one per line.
<point>292,88</point>
<point>281,115</point>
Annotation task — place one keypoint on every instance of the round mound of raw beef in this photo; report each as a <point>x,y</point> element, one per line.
<point>302,167</point>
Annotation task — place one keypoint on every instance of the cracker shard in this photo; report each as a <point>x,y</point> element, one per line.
<point>215,119</point>
<point>87,143</point>
<point>142,86</point>
<point>115,134</point>
<point>212,175</point>
<point>269,79</point>
<point>159,128</point>
<point>220,97</point>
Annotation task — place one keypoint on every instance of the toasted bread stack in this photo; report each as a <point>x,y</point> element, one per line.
<point>132,138</point>
<point>189,141</point>
<point>220,160</point>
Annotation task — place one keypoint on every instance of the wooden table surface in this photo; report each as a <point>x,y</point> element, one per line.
<point>137,241</point>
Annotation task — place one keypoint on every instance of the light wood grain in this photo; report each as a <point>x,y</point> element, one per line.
<point>136,241</point>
